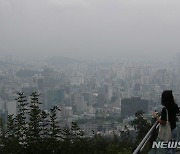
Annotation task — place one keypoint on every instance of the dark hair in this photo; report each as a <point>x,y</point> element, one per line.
<point>167,99</point>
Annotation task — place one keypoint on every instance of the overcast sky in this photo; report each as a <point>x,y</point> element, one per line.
<point>90,28</point>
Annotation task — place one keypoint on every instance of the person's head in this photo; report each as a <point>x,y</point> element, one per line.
<point>167,98</point>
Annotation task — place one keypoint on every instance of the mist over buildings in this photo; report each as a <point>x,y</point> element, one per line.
<point>96,62</point>
<point>91,29</point>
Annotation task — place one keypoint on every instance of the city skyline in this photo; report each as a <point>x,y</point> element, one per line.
<point>85,76</point>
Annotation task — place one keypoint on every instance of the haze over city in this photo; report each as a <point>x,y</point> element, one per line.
<point>85,76</point>
<point>90,29</point>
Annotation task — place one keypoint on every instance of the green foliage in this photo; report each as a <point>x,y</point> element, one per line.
<point>35,131</point>
<point>20,123</point>
<point>126,141</point>
<point>141,125</point>
<point>55,128</point>
<point>11,142</point>
<point>2,136</point>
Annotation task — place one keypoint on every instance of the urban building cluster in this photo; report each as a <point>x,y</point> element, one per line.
<point>101,97</point>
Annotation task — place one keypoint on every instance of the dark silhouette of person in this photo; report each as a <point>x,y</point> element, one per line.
<point>169,105</point>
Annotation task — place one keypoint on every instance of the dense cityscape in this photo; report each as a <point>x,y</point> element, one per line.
<point>102,97</point>
<point>89,77</point>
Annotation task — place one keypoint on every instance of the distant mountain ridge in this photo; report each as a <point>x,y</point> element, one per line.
<point>62,61</point>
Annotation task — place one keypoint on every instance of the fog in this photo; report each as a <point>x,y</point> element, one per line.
<point>89,29</point>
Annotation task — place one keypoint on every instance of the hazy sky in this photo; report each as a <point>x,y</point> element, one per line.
<point>90,28</point>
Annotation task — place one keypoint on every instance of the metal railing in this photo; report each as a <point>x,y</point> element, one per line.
<point>145,140</point>
<point>142,144</point>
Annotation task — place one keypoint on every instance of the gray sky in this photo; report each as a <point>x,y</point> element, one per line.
<point>90,28</point>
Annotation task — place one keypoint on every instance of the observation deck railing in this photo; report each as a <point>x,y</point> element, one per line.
<point>147,137</point>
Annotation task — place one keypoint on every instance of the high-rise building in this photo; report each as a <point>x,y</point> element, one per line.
<point>11,107</point>
<point>49,77</point>
<point>54,97</point>
<point>79,103</point>
<point>129,106</point>
<point>77,79</point>
<point>38,81</point>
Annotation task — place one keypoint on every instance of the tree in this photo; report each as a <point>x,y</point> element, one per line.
<point>114,146</point>
<point>34,136</point>
<point>54,127</point>
<point>141,125</point>
<point>11,142</point>
<point>2,136</point>
<point>126,143</point>
<point>44,125</point>
<point>35,131</point>
<point>54,131</point>
<point>20,121</point>
<point>100,143</point>
<point>76,131</point>
<point>44,134</point>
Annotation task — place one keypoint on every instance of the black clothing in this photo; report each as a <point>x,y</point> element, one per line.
<point>171,114</point>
